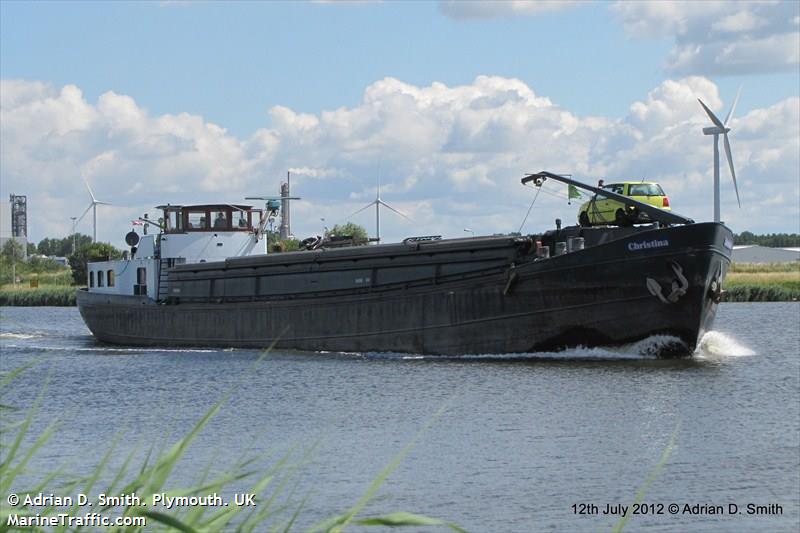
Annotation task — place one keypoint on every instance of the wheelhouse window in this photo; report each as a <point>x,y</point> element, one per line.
<point>91,278</point>
<point>196,220</point>
<point>221,219</point>
<point>241,219</point>
<point>110,278</point>
<point>100,278</point>
<point>212,217</point>
<point>174,221</point>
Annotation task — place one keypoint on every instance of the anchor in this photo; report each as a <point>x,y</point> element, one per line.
<point>679,286</point>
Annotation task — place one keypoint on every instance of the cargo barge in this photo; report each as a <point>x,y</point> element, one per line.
<point>198,283</point>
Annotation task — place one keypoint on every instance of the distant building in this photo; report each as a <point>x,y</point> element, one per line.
<point>19,215</point>
<point>13,222</point>
<point>753,253</point>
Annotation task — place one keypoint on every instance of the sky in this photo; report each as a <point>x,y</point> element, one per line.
<point>447,104</point>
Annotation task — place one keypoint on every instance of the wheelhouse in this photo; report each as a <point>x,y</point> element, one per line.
<point>212,217</point>
<point>188,234</point>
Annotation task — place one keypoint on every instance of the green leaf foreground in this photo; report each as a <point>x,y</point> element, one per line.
<point>620,525</point>
<point>157,467</point>
<point>406,519</point>
<point>339,523</point>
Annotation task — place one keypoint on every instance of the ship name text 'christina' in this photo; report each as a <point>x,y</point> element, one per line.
<point>646,245</point>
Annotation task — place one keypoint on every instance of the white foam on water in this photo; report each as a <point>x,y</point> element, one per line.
<point>608,353</point>
<point>649,348</point>
<point>22,336</point>
<point>141,350</point>
<point>108,349</point>
<point>645,349</point>
<point>653,346</point>
<point>715,346</point>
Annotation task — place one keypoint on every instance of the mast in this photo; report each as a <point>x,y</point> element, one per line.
<point>286,229</point>
<point>378,210</point>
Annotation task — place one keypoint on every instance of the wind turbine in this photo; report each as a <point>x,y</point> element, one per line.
<point>377,202</point>
<point>93,207</point>
<point>721,128</point>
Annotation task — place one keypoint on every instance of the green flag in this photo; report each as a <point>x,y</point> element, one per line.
<point>573,193</point>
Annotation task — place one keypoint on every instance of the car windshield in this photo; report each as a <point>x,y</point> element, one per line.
<point>646,189</point>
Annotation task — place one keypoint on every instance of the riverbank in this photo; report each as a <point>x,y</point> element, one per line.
<point>51,295</point>
<point>762,282</point>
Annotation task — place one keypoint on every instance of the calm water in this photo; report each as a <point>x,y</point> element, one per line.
<point>519,442</point>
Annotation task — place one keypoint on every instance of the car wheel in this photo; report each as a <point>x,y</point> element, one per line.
<point>583,219</point>
<point>621,219</point>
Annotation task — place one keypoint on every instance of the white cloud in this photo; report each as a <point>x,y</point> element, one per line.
<point>719,37</point>
<point>450,157</point>
<point>483,9</point>
<point>739,22</point>
<point>670,100</point>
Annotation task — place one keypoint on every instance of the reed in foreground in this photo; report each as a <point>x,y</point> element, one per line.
<point>637,501</point>
<point>276,508</point>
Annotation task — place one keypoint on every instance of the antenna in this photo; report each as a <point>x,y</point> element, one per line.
<point>270,207</point>
<point>721,128</point>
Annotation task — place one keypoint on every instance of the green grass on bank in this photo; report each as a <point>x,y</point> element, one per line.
<point>763,282</point>
<point>62,278</point>
<point>765,267</point>
<point>756,293</point>
<point>785,280</point>
<point>52,295</point>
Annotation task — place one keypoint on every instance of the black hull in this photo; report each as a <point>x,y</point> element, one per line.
<point>598,296</point>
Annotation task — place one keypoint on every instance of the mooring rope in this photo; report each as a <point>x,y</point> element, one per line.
<point>538,190</point>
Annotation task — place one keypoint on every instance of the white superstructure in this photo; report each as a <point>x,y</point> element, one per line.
<point>187,234</point>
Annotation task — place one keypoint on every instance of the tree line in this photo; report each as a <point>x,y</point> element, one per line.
<point>13,263</point>
<point>80,250</point>
<point>773,240</point>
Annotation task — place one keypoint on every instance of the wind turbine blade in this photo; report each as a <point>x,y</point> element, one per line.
<point>393,209</point>
<point>735,101</point>
<point>712,116</point>
<point>730,164</point>
<point>102,203</point>
<point>84,213</point>
<point>94,200</point>
<point>362,209</point>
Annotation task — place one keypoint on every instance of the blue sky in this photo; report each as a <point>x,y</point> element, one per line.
<point>232,64</point>
<point>229,62</point>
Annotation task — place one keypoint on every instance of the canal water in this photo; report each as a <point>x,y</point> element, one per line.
<point>541,442</point>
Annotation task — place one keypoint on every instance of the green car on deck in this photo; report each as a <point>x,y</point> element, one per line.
<point>602,211</point>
